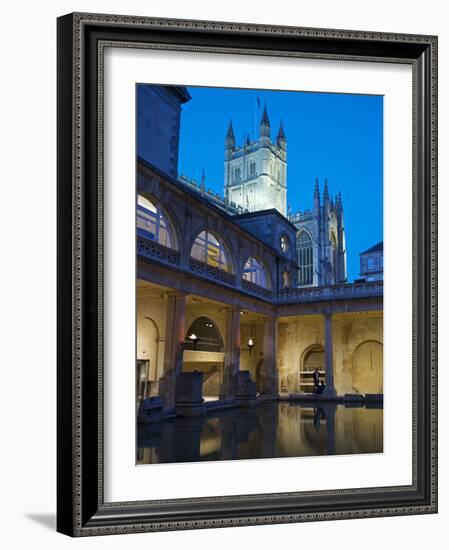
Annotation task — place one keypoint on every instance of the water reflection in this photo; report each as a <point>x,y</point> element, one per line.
<point>267,431</point>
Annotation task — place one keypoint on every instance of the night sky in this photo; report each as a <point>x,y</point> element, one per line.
<point>338,136</point>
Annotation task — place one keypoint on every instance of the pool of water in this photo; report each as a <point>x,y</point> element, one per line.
<point>266,431</point>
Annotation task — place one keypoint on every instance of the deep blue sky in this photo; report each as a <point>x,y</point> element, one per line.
<point>338,136</point>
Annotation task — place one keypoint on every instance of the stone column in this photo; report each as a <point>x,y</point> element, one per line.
<point>329,355</point>
<point>269,386</point>
<point>232,353</point>
<point>174,340</point>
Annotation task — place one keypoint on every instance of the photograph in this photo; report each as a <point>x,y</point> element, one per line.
<point>259,273</point>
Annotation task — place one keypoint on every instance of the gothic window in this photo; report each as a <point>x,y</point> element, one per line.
<point>254,272</point>
<point>285,244</point>
<point>152,223</point>
<point>252,169</point>
<point>334,253</point>
<point>211,251</point>
<point>237,175</point>
<point>305,258</point>
<point>370,263</point>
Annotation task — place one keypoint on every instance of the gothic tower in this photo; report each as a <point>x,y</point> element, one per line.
<point>255,173</point>
<point>320,241</point>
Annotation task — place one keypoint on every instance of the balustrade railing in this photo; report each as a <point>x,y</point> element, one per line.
<point>150,249</point>
<point>257,290</point>
<point>336,292</point>
<point>211,272</point>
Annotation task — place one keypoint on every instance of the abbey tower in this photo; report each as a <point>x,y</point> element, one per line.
<point>255,179</point>
<point>255,175</point>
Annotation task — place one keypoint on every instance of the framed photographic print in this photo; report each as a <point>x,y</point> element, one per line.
<point>246,274</point>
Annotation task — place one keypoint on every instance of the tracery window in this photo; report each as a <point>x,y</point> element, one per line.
<point>305,258</point>
<point>153,223</point>
<point>211,251</point>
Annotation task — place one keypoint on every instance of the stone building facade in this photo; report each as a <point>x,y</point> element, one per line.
<point>274,333</point>
<point>159,116</point>
<point>372,263</point>
<point>218,291</point>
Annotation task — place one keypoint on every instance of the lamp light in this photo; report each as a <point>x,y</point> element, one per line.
<point>194,339</point>
<point>250,345</point>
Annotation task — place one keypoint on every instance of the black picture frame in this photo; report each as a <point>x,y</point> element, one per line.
<point>81,510</point>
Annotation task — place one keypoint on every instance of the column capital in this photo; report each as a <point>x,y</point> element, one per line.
<point>176,294</point>
<point>230,309</point>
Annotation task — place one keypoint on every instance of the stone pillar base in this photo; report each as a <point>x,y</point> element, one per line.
<point>245,394</point>
<point>227,390</point>
<point>191,409</point>
<point>189,394</point>
<point>167,391</point>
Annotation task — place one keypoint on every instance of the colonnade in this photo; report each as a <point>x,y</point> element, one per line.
<point>174,344</point>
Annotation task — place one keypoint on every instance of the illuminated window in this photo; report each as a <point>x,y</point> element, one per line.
<point>209,250</point>
<point>152,223</point>
<point>286,281</point>
<point>255,273</point>
<point>305,258</point>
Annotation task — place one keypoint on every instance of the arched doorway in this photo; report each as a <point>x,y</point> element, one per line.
<point>312,358</point>
<point>204,352</point>
<point>367,367</point>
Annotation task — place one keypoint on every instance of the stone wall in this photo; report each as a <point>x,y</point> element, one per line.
<point>353,372</point>
<point>151,315</point>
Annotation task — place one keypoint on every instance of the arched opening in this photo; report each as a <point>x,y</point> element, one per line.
<point>204,352</point>
<point>254,272</point>
<point>367,368</point>
<point>147,358</point>
<point>304,247</point>
<point>153,222</point>
<point>207,333</point>
<point>312,359</point>
<point>209,249</point>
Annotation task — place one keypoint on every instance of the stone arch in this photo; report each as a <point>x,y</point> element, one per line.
<point>148,357</point>
<point>207,355</point>
<point>166,213</point>
<point>228,249</point>
<point>256,260</point>
<point>312,357</point>
<point>208,331</point>
<point>367,367</point>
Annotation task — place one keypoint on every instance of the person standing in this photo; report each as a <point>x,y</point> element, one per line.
<point>316,379</point>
